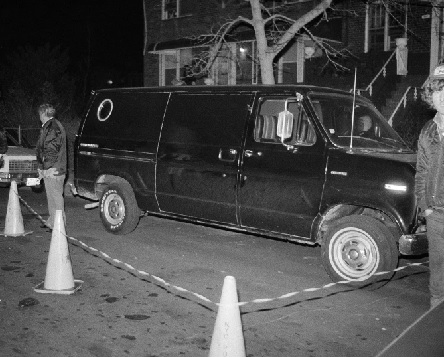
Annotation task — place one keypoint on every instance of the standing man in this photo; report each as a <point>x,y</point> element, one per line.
<point>51,157</point>
<point>429,181</point>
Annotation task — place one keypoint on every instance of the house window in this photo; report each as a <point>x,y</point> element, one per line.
<point>385,24</point>
<point>290,67</point>
<point>246,63</point>
<point>172,65</point>
<point>176,8</point>
<point>224,69</point>
<point>168,68</point>
<point>236,63</point>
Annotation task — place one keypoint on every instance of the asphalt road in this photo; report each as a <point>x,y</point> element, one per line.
<point>154,292</point>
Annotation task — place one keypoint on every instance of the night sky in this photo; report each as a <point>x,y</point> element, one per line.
<point>112,29</point>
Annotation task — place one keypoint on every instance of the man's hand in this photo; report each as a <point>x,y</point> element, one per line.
<point>51,172</point>
<point>428,211</point>
<point>422,228</point>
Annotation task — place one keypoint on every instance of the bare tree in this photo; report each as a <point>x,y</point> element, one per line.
<point>273,31</point>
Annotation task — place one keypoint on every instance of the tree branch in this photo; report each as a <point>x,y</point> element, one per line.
<point>303,20</point>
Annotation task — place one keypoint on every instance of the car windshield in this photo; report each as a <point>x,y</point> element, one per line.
<point>366,130</point>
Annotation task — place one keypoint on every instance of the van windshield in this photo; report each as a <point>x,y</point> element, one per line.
<point>368,131</point>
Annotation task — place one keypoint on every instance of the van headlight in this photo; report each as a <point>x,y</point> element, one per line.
<point>396,187</point>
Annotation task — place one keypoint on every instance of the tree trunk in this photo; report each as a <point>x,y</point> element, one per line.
<point>267,75</point>
<point>265,57</point>
<point>267,54</point>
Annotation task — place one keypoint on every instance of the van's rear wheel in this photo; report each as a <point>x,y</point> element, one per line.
<point>356,248</point>
<point>118,208</point>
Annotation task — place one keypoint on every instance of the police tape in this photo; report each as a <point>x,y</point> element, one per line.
<point>203,298</point>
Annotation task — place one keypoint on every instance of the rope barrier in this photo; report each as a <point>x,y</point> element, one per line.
<point>203,298</point>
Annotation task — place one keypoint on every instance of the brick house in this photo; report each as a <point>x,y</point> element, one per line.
<point>367,30</point>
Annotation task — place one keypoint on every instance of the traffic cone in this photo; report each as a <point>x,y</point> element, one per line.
<point>59,278</point>
<point>14,219</point>
<point>228,339</point>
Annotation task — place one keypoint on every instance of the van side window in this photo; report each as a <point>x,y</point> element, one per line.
<point>265,128</point>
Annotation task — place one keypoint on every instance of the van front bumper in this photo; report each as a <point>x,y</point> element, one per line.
<point>414,244</point>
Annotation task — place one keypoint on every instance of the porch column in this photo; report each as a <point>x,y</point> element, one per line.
<point>436,39</point>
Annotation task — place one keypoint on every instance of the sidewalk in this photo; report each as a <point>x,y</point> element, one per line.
<point>425,337</point>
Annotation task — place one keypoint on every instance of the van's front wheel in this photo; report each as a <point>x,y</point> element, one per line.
<point>356,248</point>
<point>118,209</point>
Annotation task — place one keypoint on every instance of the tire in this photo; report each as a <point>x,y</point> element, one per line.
<point>356,248</point>
<point>118,208</point>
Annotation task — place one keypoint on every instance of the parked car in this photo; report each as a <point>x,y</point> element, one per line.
<point>282,161</point>
<point>19,165</point>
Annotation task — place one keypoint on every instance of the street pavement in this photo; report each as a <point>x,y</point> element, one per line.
<point>154,292</point>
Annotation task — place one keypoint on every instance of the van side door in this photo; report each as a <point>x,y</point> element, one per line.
<point>198,155</point>
<point>281,182</point>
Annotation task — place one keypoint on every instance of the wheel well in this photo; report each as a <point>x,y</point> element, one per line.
<point>336,212</point>
<point>105,180</point>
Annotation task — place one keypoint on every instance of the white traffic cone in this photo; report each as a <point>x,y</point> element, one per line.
<point>228,338</point>
<point>59,278</point>
<point>14,219</point>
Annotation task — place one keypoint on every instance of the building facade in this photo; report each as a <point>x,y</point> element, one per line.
<point>353,34</point>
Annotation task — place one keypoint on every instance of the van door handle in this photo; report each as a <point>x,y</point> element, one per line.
<point>251,153</point>
<point>228,155</point>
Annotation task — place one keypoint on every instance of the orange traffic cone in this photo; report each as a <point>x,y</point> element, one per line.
<point>59,278</point>
<point>228,339</point>
<point>14,219</point>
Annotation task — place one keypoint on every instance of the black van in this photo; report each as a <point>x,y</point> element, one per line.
<point>300,163</point>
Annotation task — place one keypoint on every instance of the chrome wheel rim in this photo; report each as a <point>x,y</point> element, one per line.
<point>353,254</point>
<point>114,209</point>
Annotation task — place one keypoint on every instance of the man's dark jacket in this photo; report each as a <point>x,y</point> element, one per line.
<point>51,147</point>
<point>429,180</point>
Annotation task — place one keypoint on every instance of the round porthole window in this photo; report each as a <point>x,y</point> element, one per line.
<point>105,109</point>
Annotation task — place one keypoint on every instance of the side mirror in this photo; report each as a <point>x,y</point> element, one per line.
<point>285,125</point>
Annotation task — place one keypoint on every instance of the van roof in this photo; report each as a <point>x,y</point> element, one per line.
<point>232,88</point>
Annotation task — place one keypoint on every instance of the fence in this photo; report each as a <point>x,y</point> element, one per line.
<point>23,136</point>
<point>28,136</point>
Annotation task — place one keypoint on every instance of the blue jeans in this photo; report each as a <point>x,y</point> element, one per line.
<point>54,194</point>
<point>435,237</point>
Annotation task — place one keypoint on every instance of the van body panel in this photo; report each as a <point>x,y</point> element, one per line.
<point>198,157</point>
<point>359,179</point>
<point>123,143</point>
<point>206,154</point>
<point>285,161</point>
<point>281,188</point>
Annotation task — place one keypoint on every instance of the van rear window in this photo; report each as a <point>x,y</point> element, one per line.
<point>105,109</point>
